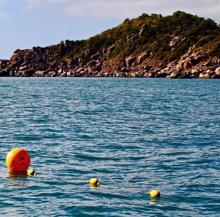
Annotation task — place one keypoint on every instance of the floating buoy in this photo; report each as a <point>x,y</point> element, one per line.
<point>31,172</point>
<point>18,160</point>
<point>94,182</point>
<point>154,193</point>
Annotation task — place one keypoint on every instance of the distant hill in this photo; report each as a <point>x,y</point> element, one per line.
<point>177,46</point>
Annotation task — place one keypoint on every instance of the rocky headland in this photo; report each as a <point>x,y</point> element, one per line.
<point>176,46</point>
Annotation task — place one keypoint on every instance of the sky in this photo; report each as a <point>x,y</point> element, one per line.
<point>28,23</point>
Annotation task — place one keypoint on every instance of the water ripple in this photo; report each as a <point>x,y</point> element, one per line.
<point>133,134</point>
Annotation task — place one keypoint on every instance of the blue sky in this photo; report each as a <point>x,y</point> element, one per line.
<point>28,23</point>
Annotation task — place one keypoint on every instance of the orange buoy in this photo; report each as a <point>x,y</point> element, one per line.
<point>18,160</point>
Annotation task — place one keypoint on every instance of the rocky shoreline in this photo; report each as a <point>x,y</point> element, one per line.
<point>120,52</point>
<point>33,63</point>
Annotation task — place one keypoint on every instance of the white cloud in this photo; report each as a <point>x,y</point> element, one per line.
<point>129,8</point>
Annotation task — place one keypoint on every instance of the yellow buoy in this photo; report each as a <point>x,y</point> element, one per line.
<point>154,193</point>
<point>94,182</point>
<point>31,172</point>
<point>18,160</point>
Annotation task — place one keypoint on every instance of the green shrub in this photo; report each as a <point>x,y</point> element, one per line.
<point>160,31</point>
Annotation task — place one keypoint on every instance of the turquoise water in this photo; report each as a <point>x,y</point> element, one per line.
<point>133,134</point>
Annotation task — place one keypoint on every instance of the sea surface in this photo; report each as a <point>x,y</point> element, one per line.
<point>134,135</point>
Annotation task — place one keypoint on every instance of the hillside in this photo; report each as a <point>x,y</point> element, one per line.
<point>176,46</point>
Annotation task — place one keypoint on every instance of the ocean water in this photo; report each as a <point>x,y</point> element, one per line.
<point>133,134</point>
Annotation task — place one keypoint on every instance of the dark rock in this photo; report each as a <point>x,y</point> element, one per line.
<point>63,74</point>
<point>95,56</point>
<point>124,69</point>
<point>51,74</point>
<point>87,52</point>
<point>4,73</point>
<point>162,74</point>
<point>16,55</point>
<point>132,37</point>
<point>143,29</point>
<point>175,74</point>
<point>129,61</point>
<point>74,61</point>
<point>29,72</point>
<point>141,58</point>
<point>148,75</point>
<point>111,48</point>
<point>68,45</point>
<point>215,76</point>
<point>207,74</point>
<point>4,62</point>
<point>92,63</point>
<point>62,49</point>
<point>38,50</point>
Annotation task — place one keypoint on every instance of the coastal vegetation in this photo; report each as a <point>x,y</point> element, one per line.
<point>156,34</point>
<point>179,45</point>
